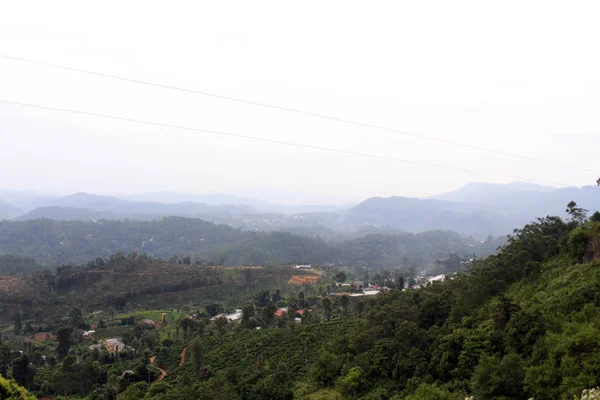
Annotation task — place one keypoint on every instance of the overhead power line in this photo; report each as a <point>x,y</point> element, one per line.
<point>293,110</point>
<point>280,142</point>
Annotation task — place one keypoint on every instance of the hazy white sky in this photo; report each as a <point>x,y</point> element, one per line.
<point>516,76</point>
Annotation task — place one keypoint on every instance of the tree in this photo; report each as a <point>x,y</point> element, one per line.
<point>268,313</point>
<point>345,302</point>
<point>5,359</point>
<point>20,368</point>
<point>9,389</point>
<point>340,277</point>
<point>187,324</point>
<point>75,317</point>
<point>247,313</point>
<point>120,302</point>
<point>576,214</point>
<point>276,296</point>
<point>63,336</point>
<point>326,302</point>
<point>301,301</point>
<point>28,330</point>
<point>262,298</point>
<point>197,354</point>
<point>503,379</point>
<point>353,380</point>
<point>595,217</point>
<point>213,309</point>
<point>17,323</point>
<point>326,368</point>
<point>157,389</point>
<point>400,282</point>
<point>430,392</point>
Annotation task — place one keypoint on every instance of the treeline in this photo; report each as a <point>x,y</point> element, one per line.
<point>67,242</point>
<point>13,264</point>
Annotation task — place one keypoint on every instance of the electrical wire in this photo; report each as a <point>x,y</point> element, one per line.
<point>297,111</point>
<point>274,141</point>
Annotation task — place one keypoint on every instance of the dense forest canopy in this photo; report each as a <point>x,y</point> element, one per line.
<point>62,242</point>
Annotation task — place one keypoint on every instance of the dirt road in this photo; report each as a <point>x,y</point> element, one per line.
<point>163,373</point>
<point>183,356</point>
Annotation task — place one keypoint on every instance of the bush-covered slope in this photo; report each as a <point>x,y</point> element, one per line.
<point>522,324</point>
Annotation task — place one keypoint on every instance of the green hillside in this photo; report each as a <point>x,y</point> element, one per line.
<point>521,324</point>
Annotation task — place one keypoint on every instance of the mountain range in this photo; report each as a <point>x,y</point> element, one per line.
<point>477,209</point>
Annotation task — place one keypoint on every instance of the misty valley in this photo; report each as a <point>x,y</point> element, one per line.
<point>393,298</point>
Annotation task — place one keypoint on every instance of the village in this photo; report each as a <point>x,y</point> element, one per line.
<point>352,289</point>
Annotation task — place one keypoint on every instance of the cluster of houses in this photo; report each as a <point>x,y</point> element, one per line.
<point>283,311</point>
<point>280,312</point>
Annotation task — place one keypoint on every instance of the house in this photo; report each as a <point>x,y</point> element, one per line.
<point>112,345</point>
<point>281,312</point>
<point>88,334</point>
<point>147,322</point>
<point>222,315</point>
<point>234,316</point>
<point>371,292</point>
<point>230,317</point>
<point>437,278</point>
<point>306,266</point>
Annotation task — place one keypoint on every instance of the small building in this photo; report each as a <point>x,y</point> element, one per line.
<point>234,316</point>
<point>222,315</point>
<point>437,278</point>
<point>147,322</point>
<point>281,312</point>
<point>112,345</point>
<point>88,334</point>
<point>304,266</point>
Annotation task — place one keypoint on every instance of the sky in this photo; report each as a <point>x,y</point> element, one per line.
<point>513,76</point>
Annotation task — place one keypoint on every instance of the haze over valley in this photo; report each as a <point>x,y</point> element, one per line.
<point>316,201</point>
<point>477,210</point>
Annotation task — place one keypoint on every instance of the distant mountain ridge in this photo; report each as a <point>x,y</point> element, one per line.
<point>8,210</point>
<point>525,197</point>
<point>85,206</point>
<point>477,209</point>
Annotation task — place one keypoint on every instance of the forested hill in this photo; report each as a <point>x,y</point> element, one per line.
<point>524,323</point>
<point>53,242</point>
